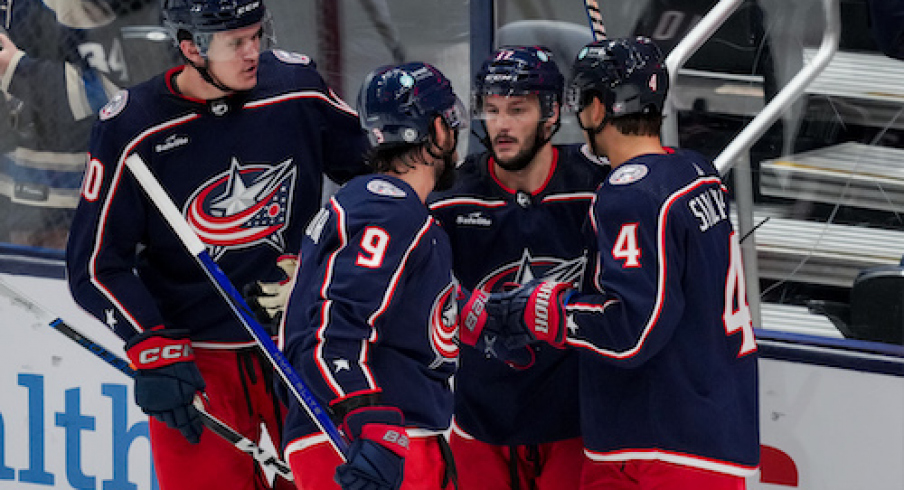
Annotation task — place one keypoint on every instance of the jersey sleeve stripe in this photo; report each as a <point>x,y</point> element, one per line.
<point>661,279</point>
<point>342,233</point>
<point>105,210</point>
<point>390,289</point>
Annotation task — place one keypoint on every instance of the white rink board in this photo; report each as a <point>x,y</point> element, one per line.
<point>68,418</point>
<point>843,429</point>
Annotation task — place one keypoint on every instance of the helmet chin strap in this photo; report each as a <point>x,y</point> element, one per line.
<point>205,74</point>
<point>592,132</point>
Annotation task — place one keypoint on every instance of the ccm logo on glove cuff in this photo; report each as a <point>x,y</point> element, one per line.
<point>157,352</point>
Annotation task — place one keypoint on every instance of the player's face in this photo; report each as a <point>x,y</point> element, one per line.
<point>233,56</point>
<point>512,123</point>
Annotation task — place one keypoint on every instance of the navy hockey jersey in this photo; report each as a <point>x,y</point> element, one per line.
<point>373,308</point>
<point>502,236</point>
<point>668,354</point>
<point>245,171</point>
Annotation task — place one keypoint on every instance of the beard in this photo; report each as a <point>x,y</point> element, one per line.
<point>523,158</point>
<point>518,162</point>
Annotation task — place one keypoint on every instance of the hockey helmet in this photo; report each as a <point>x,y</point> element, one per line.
<point>200,19</point>
<point>629,75</point>
<point>397,104</point>
<point>519,70</point>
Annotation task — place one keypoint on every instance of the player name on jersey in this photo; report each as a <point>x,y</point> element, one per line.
<point>709,207</point>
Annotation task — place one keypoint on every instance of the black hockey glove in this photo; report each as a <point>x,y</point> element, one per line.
<point>377,449</point>
<point>268,299</point>
<point>502,324</point>
<point>167,379</point>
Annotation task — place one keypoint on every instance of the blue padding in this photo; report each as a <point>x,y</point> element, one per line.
<point>856,355</point>
<point>32,261</point>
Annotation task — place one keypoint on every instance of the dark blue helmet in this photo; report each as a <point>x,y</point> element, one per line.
<point>629,75</point>
<point>520,70</point>
<point>397,104</point>
<point>202,18</point>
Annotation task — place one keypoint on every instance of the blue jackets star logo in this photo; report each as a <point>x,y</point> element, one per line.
<point>243,206</point>
<point>529,267</point>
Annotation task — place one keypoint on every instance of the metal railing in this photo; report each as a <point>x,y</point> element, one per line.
<point>736,154</point>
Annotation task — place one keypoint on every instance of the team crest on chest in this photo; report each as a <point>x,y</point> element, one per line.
<point>529,267</point>
<point>444,326</point>
<point>243,206</point>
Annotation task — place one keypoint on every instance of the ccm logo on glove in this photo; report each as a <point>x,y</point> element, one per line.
<point>158,352</point>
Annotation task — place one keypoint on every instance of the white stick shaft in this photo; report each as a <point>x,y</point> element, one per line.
<point>165,204</point>
<point>160,199</point>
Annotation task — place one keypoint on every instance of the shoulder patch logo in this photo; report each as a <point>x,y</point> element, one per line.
<point>292,58</point>
<point>384,188</point>
<point>627,174</point>
<point>115,106</point>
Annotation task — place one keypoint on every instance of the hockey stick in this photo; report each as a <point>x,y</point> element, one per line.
<point>217,426</point>
<point>196,248</point>
<point>378,11</point>
<point>596,19</point>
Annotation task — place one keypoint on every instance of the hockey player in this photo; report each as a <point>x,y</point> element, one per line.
<point>61,62</point>
<point>668,362</point>
<point>239,138</point>
<point>371,323</point>
<point>515,214</point>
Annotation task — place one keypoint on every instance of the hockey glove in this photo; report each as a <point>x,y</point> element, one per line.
<point>167,379</point>
<point>532,312</point>
<point>481,325</point>
<point>268,299</point>
<point>377,449</point>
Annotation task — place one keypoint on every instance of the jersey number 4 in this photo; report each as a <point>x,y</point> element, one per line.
<point>736,313</point>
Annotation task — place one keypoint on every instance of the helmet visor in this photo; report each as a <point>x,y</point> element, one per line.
<point>574,98</point>
<point>232,44</point>
<point>456,116</point>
